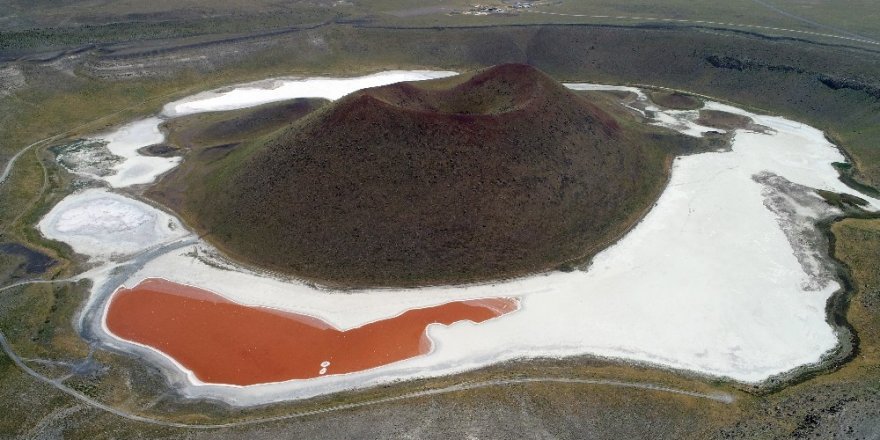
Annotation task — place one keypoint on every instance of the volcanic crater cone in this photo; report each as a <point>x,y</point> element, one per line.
<point>476,177</point>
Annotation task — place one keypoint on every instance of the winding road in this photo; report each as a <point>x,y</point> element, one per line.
<point>467,386</point>
<point>813,23</point>
<point>855,38</point>
<point>10,164</point>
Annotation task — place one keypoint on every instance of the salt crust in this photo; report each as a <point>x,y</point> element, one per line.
<point>279,89</point>
<point>105,225</point>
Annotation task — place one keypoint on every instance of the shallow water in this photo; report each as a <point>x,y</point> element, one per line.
<point>223,342</point>
<point>34,262</point>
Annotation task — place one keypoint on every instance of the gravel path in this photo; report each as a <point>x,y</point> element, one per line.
<point>7,348</point>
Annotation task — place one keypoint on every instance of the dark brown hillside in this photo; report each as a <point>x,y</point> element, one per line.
<point>208,138</point>
<point>226,127</point>
<point>473,178</point>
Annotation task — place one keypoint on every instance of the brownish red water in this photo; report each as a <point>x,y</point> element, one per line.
<point>228,343</point>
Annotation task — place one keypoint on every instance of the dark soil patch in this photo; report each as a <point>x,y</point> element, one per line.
<point>843,201</point>
<point>160,150</point>
<point>35,262</point>
<point>19,262</point>
<point>723,120</point>
<point>675,100</point>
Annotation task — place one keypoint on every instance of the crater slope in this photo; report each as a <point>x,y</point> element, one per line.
<point>476,177</point>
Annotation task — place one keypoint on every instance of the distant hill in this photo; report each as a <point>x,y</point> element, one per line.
<point>476,177</point>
